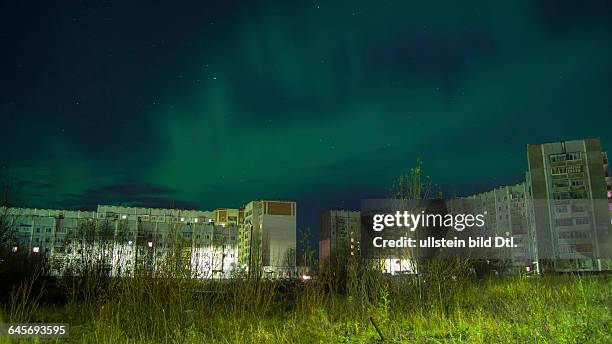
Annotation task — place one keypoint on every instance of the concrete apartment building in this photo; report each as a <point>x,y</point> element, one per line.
<point>508,213</point>
<point>560,217</point>
<point>340,235</point>
<point>267,240</point>
<point>207,243</point>
<point>570,196</point>
<point>127,238</point>
<point>340,239</point>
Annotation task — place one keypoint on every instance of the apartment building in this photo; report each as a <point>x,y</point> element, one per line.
<point>124,239</point>
<point>508,213</point>
<point>340,235</point>
<point>571,204</point>
<point>267,240</point>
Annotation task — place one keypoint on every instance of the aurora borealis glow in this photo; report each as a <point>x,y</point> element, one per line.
<point>207,105</point>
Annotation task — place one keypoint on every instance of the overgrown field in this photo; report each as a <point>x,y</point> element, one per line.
<point>519,309</point>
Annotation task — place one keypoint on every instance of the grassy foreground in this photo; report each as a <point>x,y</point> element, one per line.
<point>549,309</point>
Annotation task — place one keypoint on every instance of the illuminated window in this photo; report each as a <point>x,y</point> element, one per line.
<point>558,170</point>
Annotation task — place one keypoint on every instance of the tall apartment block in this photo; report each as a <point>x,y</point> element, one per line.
<point>570,191</point>
<point>339,236</point>
<point>267,240</point>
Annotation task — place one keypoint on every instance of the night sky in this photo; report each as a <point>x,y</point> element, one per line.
<point>204,105</point>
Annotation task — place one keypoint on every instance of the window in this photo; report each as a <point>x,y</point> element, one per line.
<point>573,156</point>
<point>558,170</point>
<point>584,248</point>
<point>563,183</point>
<point>557,158</point>
<point>574,169</point>
<point>48,229</point>
<point>561,195</point>
<point>564,222</point>
<point>562,209</point>
<point>578,195</point>
<point>577,208</point>
<point>37,229</point>
<point>577,182</point>
<point>582,220</point>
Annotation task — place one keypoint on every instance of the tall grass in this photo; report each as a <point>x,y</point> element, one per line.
<point>446,308</point>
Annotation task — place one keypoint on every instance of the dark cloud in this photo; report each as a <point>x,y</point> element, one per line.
<point>129,193</point>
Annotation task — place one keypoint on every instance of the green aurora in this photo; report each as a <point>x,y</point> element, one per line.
<point>205,105</point>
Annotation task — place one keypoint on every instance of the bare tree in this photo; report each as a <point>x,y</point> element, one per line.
<point>307,257</point>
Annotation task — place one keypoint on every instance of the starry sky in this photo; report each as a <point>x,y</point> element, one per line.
<point>212,104</point>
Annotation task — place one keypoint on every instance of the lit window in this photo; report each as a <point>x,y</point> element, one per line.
<point>182,219</point>
<point>124,217</point>
<point>35,249</point>
<point>150,244</point>
<point>14,249</point>
<point>558,170</point>
<point>195,220</point>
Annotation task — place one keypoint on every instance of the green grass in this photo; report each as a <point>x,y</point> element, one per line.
<point>549,309</point>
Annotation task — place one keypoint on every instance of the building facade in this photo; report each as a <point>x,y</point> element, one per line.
<point>508,213</point>
<point>571,204</point>
<point>267,239</point>
<point>126,240</point>
<point>340,235</point>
